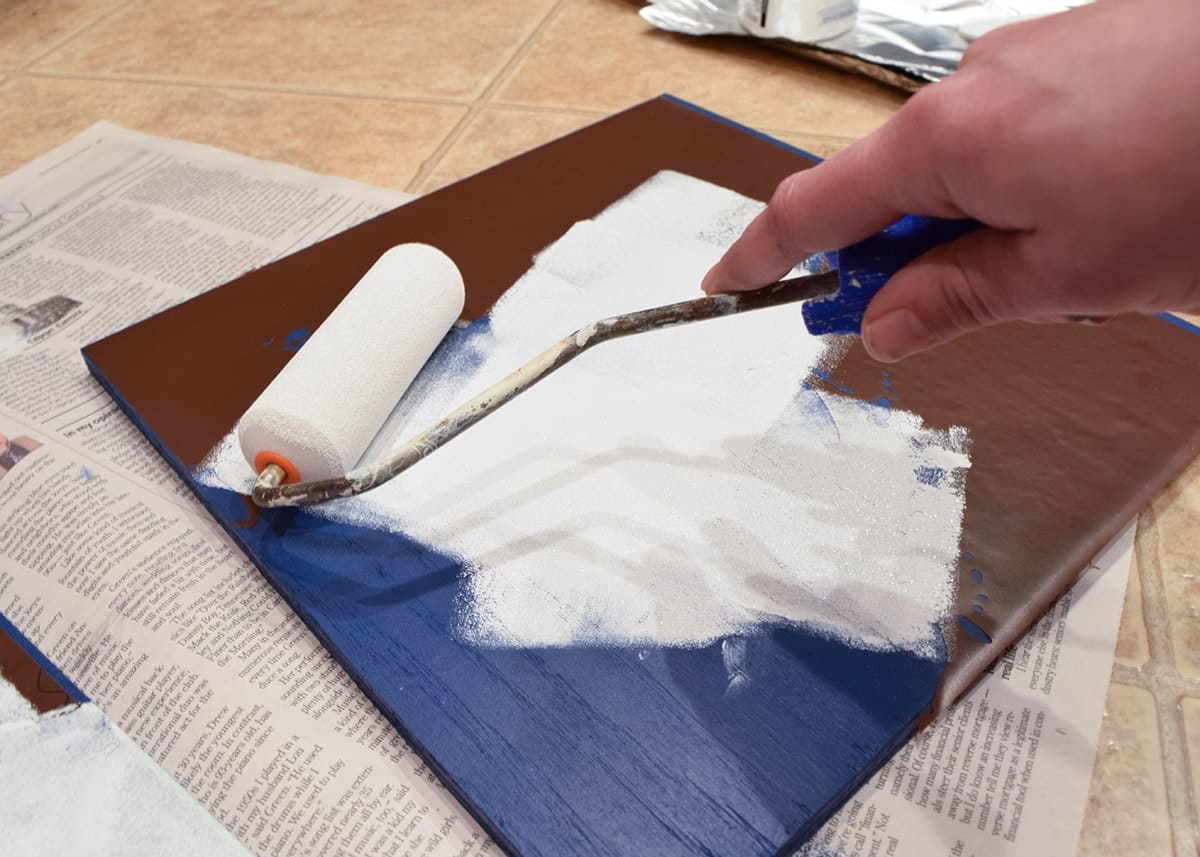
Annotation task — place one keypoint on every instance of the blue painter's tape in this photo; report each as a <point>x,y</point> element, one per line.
<point>865,267</point>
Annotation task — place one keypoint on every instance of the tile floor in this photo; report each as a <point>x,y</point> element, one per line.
<point>414,95</point>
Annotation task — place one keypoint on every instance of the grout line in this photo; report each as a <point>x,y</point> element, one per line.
<point>456,133</point>
<point>70,37</point>
<point>1165,684</point>
<point>271,88</point>
<point>521,107</point>
<point>523,50</point>
<point>1154,678</point>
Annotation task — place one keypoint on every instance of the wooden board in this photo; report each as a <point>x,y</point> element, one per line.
<point>606,751</point>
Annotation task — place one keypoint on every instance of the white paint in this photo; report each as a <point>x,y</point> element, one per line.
<point>676,487</point>
<point>322,410</point>
<point>73,783</point>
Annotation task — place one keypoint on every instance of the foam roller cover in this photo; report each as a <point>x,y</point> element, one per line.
<point>321,412</point>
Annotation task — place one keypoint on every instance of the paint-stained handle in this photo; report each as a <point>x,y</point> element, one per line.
<point>863,268</point>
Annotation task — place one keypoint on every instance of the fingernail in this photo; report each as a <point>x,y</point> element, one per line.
<point>896,334</point>
<point>711,284</point>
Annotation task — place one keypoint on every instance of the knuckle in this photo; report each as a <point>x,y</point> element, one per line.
<point>983,48</point>
<point>934,121</point>
<point>927,113</point>
<point>969,301</point>
<point>786,194</point>
<point>782,213</point>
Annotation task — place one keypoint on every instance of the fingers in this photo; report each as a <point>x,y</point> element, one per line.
<point>809,212</point>
<point>976,281</point>
<point>852,195</point>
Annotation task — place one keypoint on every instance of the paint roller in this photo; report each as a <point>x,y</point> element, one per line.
<point>305,434</point>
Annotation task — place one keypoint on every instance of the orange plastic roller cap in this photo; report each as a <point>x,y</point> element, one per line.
<point>263,459</point>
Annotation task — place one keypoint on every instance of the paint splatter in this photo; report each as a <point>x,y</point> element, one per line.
<point>296,339</point>
<point>972,630</point>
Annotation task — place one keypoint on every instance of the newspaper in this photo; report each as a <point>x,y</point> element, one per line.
<point>111,567</point>
<point>106,561</point>
<point>1005,771</point>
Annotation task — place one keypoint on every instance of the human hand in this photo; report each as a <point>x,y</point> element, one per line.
<point>1073,138</point>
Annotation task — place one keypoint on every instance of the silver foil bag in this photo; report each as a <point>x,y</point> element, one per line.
<point>916,40</point>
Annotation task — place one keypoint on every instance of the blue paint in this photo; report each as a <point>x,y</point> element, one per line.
<point>973,631</point>
<point>981,597</point>
<point>811,404</point>
<point>928,475</point>
<point>85,474</point>
<point>42,661</point>
<point>296,338</point>
<point>268,342</point>
<point>878,411</point>
<point>976,575</point>
<point>978,608</point>
<point>967,555</point>
<point>827,376</point>
<point>687,768</point>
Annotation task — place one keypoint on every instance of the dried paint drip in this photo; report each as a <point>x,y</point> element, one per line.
<point>672,489</point>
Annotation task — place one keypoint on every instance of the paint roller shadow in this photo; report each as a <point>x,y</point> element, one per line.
<point>518,492</point>
<point>328,563</point>
<point>708,569</point>
<point>850,612</point>
<point>836,529</point>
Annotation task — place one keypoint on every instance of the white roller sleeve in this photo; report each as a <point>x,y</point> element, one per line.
<point>331,399</point>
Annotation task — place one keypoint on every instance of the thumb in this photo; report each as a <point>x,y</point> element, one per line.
<point>975,281</point>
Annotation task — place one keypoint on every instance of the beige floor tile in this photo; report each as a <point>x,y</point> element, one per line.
<point>494,135</point>
<point>380,142</point>
<point>599,54</point>
<point>29,28</point>
<point>1132,646</point>
<point>1127,809</point>
<point>452,48</point>
<point>1177,519</point>
<point>1191,727</point>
